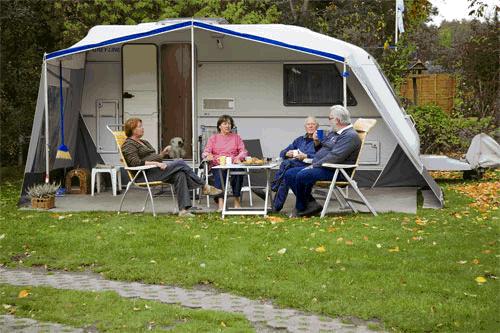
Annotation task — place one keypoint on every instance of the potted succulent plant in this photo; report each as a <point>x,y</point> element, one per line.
<point>43,195</point>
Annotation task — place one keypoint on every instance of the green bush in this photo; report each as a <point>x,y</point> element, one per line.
<point>441,133</point>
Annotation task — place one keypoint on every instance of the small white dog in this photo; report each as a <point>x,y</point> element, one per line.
<point>177,148</point>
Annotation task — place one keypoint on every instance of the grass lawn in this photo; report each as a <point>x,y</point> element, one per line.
<point>109,312</point>
<point>433,271</point>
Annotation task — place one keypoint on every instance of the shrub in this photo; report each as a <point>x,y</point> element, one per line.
<point>441,133</point>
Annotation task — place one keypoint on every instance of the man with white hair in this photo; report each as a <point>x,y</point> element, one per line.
<point>340,146</point>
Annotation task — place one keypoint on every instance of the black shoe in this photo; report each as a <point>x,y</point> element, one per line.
<point>260,193</point>
<point>313,208</point>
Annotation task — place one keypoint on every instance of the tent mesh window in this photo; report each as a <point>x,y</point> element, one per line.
<point>313,85</point>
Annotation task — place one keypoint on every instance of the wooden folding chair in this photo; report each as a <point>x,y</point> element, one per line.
<point>362,126</point>
<point>120,138</point>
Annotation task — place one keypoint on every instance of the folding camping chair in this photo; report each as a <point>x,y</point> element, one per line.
<point>362,126</point>
<point>120,138</point>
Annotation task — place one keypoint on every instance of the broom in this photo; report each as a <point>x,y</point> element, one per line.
<point>62,151</point>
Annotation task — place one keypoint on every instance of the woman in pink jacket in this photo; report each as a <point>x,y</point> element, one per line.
<point>226,143</point>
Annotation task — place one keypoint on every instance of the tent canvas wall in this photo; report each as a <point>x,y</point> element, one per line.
<point>180,75</point>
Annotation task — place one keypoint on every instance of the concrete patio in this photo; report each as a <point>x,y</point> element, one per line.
<point>388,199</point>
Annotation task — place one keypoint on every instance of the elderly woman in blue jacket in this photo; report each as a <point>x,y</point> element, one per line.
<point>293,156</point>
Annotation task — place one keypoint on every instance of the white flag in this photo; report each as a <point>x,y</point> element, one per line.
<point>400,8</point>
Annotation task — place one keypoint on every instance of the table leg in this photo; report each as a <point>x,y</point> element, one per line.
<point>268,174</point>
<point>225,187</point>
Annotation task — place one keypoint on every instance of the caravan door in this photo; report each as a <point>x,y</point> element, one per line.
<point>140,87</point>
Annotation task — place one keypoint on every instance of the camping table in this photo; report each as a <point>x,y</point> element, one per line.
<point>235,168</point>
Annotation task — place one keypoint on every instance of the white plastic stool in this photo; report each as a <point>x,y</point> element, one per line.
<point>115,173</point>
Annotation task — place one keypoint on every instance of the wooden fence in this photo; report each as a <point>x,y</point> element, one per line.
<point>422,89</point>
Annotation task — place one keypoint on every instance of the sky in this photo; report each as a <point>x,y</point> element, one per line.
<point>454,9</point>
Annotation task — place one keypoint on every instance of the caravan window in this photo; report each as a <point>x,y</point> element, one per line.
<point>313,84</point>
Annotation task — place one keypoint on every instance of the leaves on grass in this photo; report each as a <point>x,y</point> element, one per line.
<point>23,293</point>
<point>485,195</point>
<point>275,219</point>
<point>282,251</point>
<point>480,280</point>
<point>379,246</point>
<point>395,249</point>
<point>320,249</point>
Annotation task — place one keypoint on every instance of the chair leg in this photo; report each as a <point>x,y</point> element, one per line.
<point>145,203</point>
<point>173,196</point>
<point>150,194</point>
<point>329,195</point>
<point>358,192</point>
<point>346,201</point>
<point>340,198</point>
<point>113,181</point>
<point>92,182</point>
<point>124,195</point>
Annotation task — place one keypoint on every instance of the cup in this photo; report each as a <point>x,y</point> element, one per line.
<point>321,134</point>
<point>222,160</point>
<point>228,160</point>
<point>248,158</point>
<point>295,152</point>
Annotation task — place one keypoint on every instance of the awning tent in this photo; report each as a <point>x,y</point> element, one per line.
<point>354,60</point>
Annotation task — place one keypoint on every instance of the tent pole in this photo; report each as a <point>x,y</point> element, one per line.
<point>344,84</point>
<point>193,139</point>
<point>46,101</point>
<point>396,33</point>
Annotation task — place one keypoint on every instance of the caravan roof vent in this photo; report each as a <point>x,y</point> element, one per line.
<point>215,104</point>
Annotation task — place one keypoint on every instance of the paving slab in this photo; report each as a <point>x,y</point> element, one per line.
<point>264,316</point>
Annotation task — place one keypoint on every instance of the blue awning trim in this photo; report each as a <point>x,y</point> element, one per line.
<point>118,40</point>
<point>60,53</point>
<point>269,41</point>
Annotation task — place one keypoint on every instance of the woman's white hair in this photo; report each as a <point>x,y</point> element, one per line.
<point>341,113</point>
<point>311,118</point>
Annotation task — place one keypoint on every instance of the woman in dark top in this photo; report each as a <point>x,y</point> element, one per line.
<point>138,152</point>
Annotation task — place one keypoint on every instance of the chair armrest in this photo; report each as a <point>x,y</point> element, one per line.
<point>339,166</point>
<point>139,168</point>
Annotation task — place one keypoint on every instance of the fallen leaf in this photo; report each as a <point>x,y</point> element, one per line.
<point>223,324</point>
<point>152,261</point>
<point>2,236</point>
<point>282,251</point>
<point>462,262</point>
<point>275,219</point>
<point>396,249</point>
<point>23,294</point>
<point>480,280</point>
<point>471,295</point>
<point>196,236</point>
<point>475,261</point>
<point>365,238</point>
<point>349,242</point>
<point>331,229</point>
<point>340,239</point>
<point>320,249</point>
<point>379,246</point>
<point>486,251</point>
